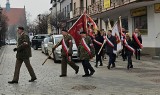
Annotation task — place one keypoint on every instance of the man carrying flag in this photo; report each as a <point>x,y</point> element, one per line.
<point>137,40</point>
<point>111,48</point>
<point>129,50</point>
<point>67,44</point>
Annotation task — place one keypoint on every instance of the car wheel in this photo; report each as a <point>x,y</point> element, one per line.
<point>35,47</point>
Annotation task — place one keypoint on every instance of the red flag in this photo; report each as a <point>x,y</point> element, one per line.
<point>77,27</point>
<point>90,23</point>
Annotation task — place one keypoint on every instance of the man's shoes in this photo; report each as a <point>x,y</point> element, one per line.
<point>32,80</point>
<point>113,65</point>
<point>101,64</point>
<point>108,67</point>
<point>131,66</point>
<point>86,75</point>
<point>92,73</point>
<point>96,66</point>
<point>77,70</point>
<point>12,82</point>
<point>62,75</point>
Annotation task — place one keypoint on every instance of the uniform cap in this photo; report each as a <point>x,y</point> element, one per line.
<point>21,28</point>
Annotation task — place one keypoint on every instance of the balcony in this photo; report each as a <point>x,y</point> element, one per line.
<point>98,7</point>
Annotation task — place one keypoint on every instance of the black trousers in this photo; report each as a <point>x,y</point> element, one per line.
<point>87,67</point>
<point>98,58</point>
<point>129,57</point>
<point>123,54</point>
<point>137,53</point>
<point>112,58</point>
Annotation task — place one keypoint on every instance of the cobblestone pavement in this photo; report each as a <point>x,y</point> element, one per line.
<point>143,79</point>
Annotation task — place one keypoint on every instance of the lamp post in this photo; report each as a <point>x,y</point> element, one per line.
<point>0,26</point>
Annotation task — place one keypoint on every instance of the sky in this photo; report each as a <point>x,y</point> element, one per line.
<point>33,7</point>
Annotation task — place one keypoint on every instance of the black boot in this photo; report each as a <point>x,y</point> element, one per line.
<point>108,66</point>
<point>128,67</point>
<point>96,65</point>
<point>113,65</point>
<point>131,66</point>
<point>101,64</point>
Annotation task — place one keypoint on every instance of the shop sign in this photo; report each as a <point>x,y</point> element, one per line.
<point>107,3</point>
<point>139,11</point>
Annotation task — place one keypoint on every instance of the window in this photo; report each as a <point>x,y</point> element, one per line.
<point>92,1</point>
<point>140,22</point>
<point>81,3</point>
<point>125,23</point>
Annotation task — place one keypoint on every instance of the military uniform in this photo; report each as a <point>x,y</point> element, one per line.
<point>23,55</point>
<point>65,57</point>
<point>85,57</point>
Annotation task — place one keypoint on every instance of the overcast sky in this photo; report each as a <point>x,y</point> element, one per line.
<point>34,7</point>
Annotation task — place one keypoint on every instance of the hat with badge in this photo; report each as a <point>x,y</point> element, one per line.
<point>21,28</point>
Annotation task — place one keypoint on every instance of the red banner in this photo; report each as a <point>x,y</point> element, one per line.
<point>78,26</point>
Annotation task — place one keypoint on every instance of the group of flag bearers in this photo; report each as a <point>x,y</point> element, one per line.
<point>91,42</point>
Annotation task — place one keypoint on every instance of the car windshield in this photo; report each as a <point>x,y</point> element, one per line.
<point>57,39</point>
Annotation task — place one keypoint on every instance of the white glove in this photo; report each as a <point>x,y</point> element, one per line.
<point>115,52</point>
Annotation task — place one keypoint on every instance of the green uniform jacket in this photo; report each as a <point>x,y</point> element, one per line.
<point>68,41</point>
<point>83,54</point>
<point>23,48</point>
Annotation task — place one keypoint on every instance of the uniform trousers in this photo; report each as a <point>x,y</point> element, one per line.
<point>18,66</point>
<point>87,67</point>
<point>64,65</point>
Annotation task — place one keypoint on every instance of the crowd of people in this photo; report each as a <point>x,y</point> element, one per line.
<point>97,43</point>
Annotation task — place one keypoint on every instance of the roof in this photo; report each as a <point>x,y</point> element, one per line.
<point>15,15</point>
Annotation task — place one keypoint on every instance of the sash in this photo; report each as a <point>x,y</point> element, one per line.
<point>128,46</point>
<point>65,48</point>
<point>97,42</point>
<point>109,42</point>
<point>138,42</point>
<point>86,47</point>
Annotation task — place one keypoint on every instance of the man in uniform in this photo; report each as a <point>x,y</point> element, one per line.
<point>23,54</point>
<point>66,51</point>
<point>86,52</point>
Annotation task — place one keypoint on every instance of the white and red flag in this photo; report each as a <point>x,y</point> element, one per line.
<point>116,30</point>
<point>77,27</point>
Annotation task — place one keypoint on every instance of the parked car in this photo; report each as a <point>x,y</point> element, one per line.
<point>37,40</point>
<point>56,56</point>
<point>12,42</point>
<point>44,45</point>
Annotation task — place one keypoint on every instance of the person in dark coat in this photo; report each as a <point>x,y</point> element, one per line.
<point>111,49</point>
<point>23,54</point>
<point>137,47</point>
<point>123,49</point>
<point>98,41</point>
<point>128,51</point>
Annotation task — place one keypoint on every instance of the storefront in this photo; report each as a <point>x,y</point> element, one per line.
<point>145,16</point>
